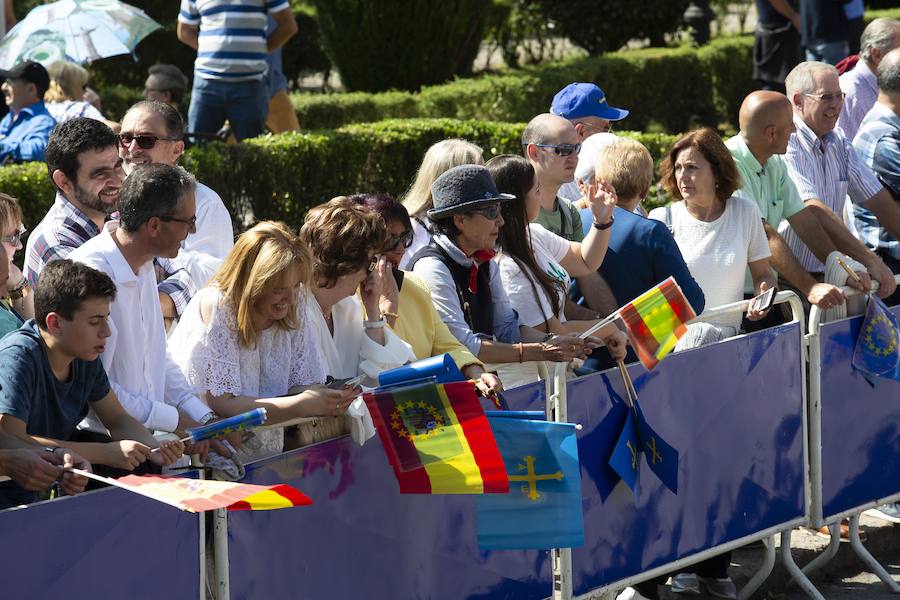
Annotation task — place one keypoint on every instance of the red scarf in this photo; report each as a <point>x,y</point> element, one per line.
<point>479,257</point>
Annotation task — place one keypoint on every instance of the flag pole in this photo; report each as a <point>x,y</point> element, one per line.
<point>124,486</point>
<point>630,394</point>
<point>852,274</point>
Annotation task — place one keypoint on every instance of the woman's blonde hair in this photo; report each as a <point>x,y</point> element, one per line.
<point>67,81</point>
<point>10,211</point>
<point>627,165</point>
<point>441,157</point>
<point>261,258</point>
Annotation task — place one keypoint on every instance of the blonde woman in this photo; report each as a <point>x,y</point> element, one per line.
<point>64,98</point>
<point>243,342</point>
<point>441,157</point>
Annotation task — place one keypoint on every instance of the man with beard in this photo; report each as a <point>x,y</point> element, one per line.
<point>83,163</point>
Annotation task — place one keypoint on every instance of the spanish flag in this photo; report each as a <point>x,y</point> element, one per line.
<point>656,320</point>
<point>437,438</point>
<point>198,495</point>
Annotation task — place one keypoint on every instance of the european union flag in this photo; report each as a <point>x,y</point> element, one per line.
<point>626,456</point>
<point>543,507</point>
<point>877,352</point>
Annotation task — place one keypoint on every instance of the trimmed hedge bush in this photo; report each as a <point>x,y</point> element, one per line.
<point>280,177</point>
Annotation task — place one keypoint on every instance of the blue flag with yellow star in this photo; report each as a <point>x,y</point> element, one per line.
<point>626,455</point>
<point>543,507</point>
<point>877,352</point>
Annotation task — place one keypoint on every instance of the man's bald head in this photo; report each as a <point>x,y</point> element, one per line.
<point>762,109</point>
<point>545,128</point>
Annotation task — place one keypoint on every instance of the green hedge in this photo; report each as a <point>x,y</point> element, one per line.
<point>280,177</point>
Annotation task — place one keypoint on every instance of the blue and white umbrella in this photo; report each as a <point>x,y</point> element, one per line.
<point>76,30</point>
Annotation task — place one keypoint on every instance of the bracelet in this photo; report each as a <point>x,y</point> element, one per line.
<point>390,314</point>
<point>604,226</point>
<point>521,350</point>
<point>379,324</point>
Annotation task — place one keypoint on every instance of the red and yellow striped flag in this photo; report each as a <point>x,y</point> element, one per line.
<point>656,320</point>
<point>438,439</point>
<point>198,495</point>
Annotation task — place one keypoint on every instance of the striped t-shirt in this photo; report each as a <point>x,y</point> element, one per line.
<point>232,42</point>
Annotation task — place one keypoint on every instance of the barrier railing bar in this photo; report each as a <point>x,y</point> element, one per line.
<point>763,573</point>
<point>561,558</point>
<point>818,562</point>
<point>867,558</point>
<point>220,547</point>
<point>788,560</point>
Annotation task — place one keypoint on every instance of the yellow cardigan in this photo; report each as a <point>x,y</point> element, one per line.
<point>419,325</point>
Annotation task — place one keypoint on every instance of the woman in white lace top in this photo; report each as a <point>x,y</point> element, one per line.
<point>243,342</point>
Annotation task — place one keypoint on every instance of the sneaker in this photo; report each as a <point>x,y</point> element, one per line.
<point>720,588</point>
<point>630,593</point>
<point>887,512</point>
<point>686,583</point>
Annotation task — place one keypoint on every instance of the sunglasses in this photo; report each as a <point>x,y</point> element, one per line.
<point>14,239</point>
<point>489,212</point>
<point>405,239</point>
<point>562,149</point>
<point>144,142</point>
<point>192,222</point>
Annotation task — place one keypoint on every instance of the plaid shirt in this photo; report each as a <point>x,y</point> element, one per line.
<point>878,144</point>
<point>65,228</point>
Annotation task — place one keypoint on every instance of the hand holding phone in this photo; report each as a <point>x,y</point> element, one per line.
<point>346,382</point>
<point>763,302</point>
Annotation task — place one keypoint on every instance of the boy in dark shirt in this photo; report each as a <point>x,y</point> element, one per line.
<point>50,374</point>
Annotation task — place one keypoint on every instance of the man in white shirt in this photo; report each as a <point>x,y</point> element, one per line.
<point>152,132</point>
<point>156,210</point>
<point>826,168</point>
<point>858,84</point>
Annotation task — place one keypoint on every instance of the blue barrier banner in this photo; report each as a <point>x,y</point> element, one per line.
<point>734,411</point>
<point>532,396</point>
<point>860,426</point>
<point>104,544</point>
<point>362,539</point>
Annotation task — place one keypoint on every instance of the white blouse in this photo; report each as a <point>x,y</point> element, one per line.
<point>213,360</point>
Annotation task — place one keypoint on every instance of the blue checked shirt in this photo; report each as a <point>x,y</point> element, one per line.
<point>828,169</point>
<point>878,144</point>
<point>65,228</point>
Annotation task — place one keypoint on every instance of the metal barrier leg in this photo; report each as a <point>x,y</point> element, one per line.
<point>867,558</point>
<point>220,543</point>
<point>760,576</point>
<point>561,557</point>
<point>823,559</point>
<point>788,560</point>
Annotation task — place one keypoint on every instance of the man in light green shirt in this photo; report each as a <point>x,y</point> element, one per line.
<point>766,120</point>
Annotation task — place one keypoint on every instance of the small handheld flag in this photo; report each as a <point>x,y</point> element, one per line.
<point>442,367</point>
<point>877,350</point>
<point>656,320</point>
<point>437,438</point>
<point>241,422</point>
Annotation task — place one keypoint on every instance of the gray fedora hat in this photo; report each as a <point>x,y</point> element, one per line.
<point>462,189</point>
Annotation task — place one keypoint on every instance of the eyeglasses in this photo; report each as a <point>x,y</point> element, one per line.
<point>562,149</point>
<point>838,97</point>
<point>144,142</point>
<point>192,222</point>
<point>405,238</point>
<point>489,212</point>
<point>14,239</point>
<point>606,127</point>
<point>372,264</point>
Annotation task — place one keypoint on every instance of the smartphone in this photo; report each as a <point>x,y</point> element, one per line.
<point>347,382</point>
<point>764,301</point>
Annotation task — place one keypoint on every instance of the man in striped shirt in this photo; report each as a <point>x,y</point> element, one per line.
<point>825,168</point>
<point>232,46</point>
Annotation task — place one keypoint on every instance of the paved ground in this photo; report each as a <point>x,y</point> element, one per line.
<point>852,583</point>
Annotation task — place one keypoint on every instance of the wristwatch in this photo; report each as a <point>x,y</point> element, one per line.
<point>51,449</point>
<point>604,226</point>
<point>207,418</point>
<point>379,324</point>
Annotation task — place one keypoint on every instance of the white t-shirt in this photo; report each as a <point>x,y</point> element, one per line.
<point>549,250</point>
<point>717,252</point>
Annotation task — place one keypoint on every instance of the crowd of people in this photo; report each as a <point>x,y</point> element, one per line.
<point>137,315</point>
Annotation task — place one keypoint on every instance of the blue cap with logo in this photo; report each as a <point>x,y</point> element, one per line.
<point>578,100</point>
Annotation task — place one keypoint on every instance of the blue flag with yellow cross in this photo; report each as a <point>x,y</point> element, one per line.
<point>639,439</point>
<point>543,507</point>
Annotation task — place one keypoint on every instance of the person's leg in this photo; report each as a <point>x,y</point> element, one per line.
<point>207,110</point>
<point>282,116</point>
<point>247,108</point>
<point>828,52</point>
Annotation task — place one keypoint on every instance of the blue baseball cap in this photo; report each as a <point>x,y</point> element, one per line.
<point>578,100</point>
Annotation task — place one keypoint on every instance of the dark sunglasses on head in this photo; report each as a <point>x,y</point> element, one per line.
<point>405,239</point>
<point>562,149</point>
<point>144,142</point>
<point>489,212</point>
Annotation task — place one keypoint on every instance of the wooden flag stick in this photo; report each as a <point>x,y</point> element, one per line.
<point>130,488</point>
<point>851,273</point>
<point>627,380</point>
